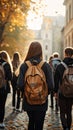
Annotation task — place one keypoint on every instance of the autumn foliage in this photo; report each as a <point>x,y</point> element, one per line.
<point>13,29</point>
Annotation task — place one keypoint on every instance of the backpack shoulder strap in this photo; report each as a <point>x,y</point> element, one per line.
<point>28,63</point>
<point>3,63</point>
<point>41,64</point>
<point>66,67</point>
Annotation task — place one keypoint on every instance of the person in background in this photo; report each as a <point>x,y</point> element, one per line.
<point>36,113</point>
<point>16,95</point>
<point>65,103</point>
<point>51,93</point>
<point>54,63</point>
<point>5,60</point>
<point>50,60</point>
<point>57,60</point>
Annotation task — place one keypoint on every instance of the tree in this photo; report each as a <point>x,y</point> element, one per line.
<point>12,13</point>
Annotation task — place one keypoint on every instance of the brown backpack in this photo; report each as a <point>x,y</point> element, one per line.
<point>36,90</point>
<point>67,81</point>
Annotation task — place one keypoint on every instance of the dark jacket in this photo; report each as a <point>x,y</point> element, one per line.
<point>8,75</point>
<point>59,74</point>
<point>49,78</point>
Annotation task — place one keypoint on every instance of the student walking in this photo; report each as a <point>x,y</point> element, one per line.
<point>54,63</point>
<point>52,92</point>
<point>5,89</point>
<point>34,106</point>
<point>65,103</point>
<point>16,94</point>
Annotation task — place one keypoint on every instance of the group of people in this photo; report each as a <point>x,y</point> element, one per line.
<point>15,72</point>
<point>10,67</point>
<point>61,101</point>
<point>54,60</point>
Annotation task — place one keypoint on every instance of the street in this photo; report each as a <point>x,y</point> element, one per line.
<point>19,120</point>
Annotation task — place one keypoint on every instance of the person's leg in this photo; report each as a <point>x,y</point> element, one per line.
<point>3,98</point>
<point>69,112</point>
<point>51,99</point>
<point>31,120</point>
<point>39,119</point>
<point>62,105</point>
<point>56,105</point>
<point>14,97</point>
<point>18,99</point>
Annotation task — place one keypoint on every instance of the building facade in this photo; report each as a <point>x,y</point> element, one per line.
<point>68,29</point>
<point>50,35</point>
<point>47,37</point>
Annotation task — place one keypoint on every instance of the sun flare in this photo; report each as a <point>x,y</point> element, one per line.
<point>43,8</point>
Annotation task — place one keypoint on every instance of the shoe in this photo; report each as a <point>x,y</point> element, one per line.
<point>2,125</point>
<point>51,106</point>
<point>17,110</point>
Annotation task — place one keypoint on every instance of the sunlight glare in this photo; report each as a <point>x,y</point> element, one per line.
<point>34,22</point>
<point>46,8</point>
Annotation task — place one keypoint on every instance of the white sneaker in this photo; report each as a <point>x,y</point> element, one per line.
<point>2,125</point>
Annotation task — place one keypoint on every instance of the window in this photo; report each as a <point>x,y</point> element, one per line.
<point>46,47</point>
<point>69,12</point>
<point>66,42</point>
<point>69,41</point>
<point>66,16</point>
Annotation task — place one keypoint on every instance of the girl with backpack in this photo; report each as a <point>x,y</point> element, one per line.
<point>5,89</point>
<point>35,112</point>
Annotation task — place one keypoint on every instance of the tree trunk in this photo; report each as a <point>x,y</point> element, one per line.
<point>2,27</point>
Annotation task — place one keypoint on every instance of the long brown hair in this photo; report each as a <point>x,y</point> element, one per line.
<point>35,50</point>
<point>16,57</point>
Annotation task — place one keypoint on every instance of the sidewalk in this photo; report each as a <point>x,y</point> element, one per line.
<point>19,121</point>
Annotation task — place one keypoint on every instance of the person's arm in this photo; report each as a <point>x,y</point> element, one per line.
<point>21,77</point>
<point>56,82</point>
<point>49,77</point>
<point>8,72</point>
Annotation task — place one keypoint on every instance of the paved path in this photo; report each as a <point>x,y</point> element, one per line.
<point>19,121</point>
